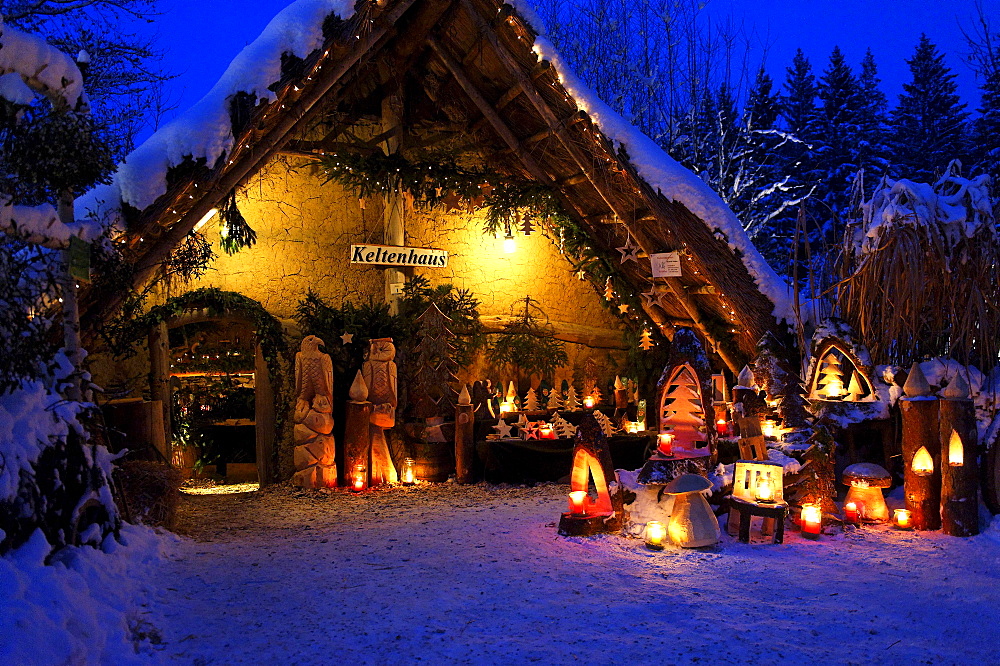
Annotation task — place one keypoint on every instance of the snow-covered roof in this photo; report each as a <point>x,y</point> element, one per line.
<point>204,132</point>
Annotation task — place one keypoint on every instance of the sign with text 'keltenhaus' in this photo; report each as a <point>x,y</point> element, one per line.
<point>390,255</point>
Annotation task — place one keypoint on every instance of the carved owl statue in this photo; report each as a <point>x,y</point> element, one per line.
<point>313,371</point>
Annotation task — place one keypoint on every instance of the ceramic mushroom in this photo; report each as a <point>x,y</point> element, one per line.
<point>692,521</point>
<point>866,481</point>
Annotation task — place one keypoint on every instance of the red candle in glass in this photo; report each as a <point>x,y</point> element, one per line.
<point>546,432</point>
<point>851,513</point>
<point>577,502</point>
<point>721,428</point>
<point>811,520</point>
<point>666,444</point>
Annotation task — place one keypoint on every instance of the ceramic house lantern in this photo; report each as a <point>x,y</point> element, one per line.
<point>866,481</point>
<point>840,369</point>
<point>759,481</point>
<point>692,522</point>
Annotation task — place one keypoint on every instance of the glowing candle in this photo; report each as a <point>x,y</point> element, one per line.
<point>359,480</point>
<point>902,519</point>
<point>655,533</point>
<point>923,464</point>
<point>834,388</point>
<point>506,407</point>
<point>767,428</point>
<point>666,444</point>
<point>721,428</point>
<point>633,427</point>
<point>851,512</point>
<point>764,491</point>
<point>577,502</point>
<point>546,432</point>
<point>408,477</point>
<point>589,402</point>
<point>956,454</point>
<point>811,520</point>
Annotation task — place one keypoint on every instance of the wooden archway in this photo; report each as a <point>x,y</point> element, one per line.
<point>217,305</point>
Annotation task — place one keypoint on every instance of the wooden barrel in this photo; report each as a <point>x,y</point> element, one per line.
<point>433,461</point>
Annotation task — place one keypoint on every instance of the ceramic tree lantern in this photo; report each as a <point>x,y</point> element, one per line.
<point>592,462</point>
<point>685,394</point>
<point>840,368</point>
<point>866,481</point>
<point>692,522</point>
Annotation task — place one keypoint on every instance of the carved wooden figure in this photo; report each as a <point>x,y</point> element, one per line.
<point>592,460</point>
<point>465,444</point>
<point>357,427</point>
<point>379,372</point>
<point>314,455</point>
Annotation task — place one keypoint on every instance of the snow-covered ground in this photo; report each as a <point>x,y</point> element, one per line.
<point>446,574</point>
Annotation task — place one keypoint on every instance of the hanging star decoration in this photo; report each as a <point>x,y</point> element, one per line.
<point>630,251</point>
<point>649,298</point>
<point>623,308</point>
<point>581,275</point>
<point>347,338</point>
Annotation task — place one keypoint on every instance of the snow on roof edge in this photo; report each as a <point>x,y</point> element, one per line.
<point>663,173</point>
<point>205,130</point>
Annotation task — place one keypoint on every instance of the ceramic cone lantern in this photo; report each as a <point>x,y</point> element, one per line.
<point>692,522</point>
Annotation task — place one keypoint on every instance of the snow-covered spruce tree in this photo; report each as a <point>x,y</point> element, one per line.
<point>872,139</point>
<point>838,160</point>
<point>929,123</point>
<point>986,129</point>
<point>54,476</point>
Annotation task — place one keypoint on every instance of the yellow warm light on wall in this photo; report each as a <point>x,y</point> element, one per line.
<point>509,245</point>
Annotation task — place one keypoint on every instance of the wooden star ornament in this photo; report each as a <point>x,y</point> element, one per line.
<point>630,251</point>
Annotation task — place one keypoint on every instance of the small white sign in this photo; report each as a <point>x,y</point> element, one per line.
<point>391,255</point>
<point>666,264</point>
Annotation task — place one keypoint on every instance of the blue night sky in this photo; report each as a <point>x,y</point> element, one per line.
<point>200,37</point>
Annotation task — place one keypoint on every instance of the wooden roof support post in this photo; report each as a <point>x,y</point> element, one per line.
<point>395,234</point>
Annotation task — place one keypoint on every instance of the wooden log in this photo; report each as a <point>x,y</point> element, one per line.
<point>959,481</point>
<point>465,444</point>
<point>920,430</point>
<point>264,420</point>
<point>159,384</point>
<point>357,436</point>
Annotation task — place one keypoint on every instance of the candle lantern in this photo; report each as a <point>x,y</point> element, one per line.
<point>592,463</point>
<point>902,519</point>
<point>851,512</point>
<point>665,444</point>
<point>837,371</point>
<point>506,407</point>
<point>655,533</point>
<point>546,431</point>
<point>956,453</point>
<point>359,478</point>
<point>764,491</point>
<point>769,428</point>
<point>408,476</point>
<point>811,520</point>
<point>923,464</point>
<point>633,427</point>
<point>865,482</point>
<point>578,502</point>
<point>721,428</point>
<point>589,402</point>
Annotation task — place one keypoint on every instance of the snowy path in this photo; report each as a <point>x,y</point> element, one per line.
<point>444,574</point>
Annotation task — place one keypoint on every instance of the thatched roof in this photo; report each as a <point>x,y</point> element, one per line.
<point>476,75</point>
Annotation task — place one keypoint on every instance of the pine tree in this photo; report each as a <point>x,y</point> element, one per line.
<point>987,128</point>
<point>817,483</point>
<point>873,125</point>
<point>929,124</point>
<point>840,94</point>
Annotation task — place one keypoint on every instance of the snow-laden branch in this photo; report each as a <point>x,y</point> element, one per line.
<point>39,225</point>
<point>44,68</point>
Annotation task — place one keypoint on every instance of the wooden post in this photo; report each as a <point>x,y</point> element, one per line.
<point>465,445</point>
<point>159,382</point>
<point>959,466</point>
<point>920,430</point>
<point>357,433</point>
<point>264,419</point>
